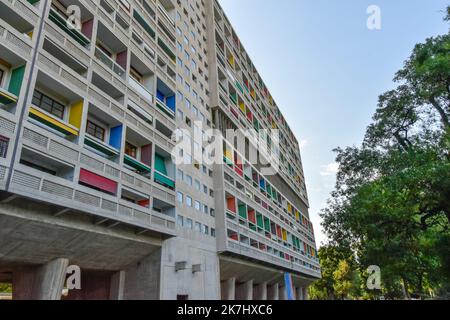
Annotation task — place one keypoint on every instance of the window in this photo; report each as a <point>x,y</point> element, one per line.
<point>197,185</point>
<point>136,75</point>
<point>2,73</point>
<point>4,143</point>
<point>95,130</point>
<point>197,205</point>
<point>188,201</point>
<point>213,232</point>
<point>180,174</point>
<point>180,197</point>
<point>198,227</point>
<point>131,150</point>
<point>48,104</point>
<point>180,220</point>
<point>189,180</point>
<point>189,223</point>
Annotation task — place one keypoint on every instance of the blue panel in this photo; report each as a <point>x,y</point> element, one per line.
<point>288,286</point>
<point>262,183</point>
<point>115,137</point>
<point>160,95</point>
<point>170,102</point>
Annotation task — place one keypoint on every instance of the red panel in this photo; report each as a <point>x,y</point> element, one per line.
<point>252,216</point>
<point>144,203</point>
<point>231,204</point>
<point>146,155</point>
<point>121,59</point>
<point>279,233</point>
<point>87,28</point>
<point>97,181</point>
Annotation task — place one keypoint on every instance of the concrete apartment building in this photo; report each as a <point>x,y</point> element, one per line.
<point>88,117</point>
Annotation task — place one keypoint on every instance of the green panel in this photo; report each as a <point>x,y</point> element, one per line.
<point>267,224</point>
<point>259,220</point>
<point>140,167</point>
<point>165,181</point>
<point>99,147</point>
<point>61,22</point>
<point>160,164</point>
<point>144,24</point>
<point>15,84</point>
<point>166,49</point>
<point>243,211</point>
<point>238,85</point>
<point>252,227</point>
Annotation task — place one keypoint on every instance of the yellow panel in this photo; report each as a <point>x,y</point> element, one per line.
<point>76,114</point>
<point>53,121</point>
<point>229,155</point>
<point>242,106</point>
<point>284,235</point>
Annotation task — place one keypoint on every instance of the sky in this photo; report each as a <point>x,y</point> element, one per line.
<point>326,69</point>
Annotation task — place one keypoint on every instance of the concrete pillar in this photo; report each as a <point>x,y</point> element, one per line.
<point>273,292</point>
<point>299,293</point>
<point>294,293</point>
<point>245,291</point>
<point>143,279</point>
<point>283,293</point>
<point>42,282</point>
<point>260,291</point>
<point>117,287</point>
<point>305,293</point>
<point>228,289</point>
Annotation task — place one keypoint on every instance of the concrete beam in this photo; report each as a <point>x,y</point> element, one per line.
<point>228,289</point>
<point>43,282</point>
<point>260,291</point>
<point>244,291</point>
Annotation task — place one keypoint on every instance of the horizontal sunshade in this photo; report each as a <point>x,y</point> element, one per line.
<point>99,182</point>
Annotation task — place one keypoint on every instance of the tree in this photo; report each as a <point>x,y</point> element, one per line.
<point>391,204</point>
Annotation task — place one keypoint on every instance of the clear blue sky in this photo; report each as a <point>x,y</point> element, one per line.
<point>326,70</point>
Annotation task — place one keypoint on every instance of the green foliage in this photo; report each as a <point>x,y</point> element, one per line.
<point>5,288</point>
<point>391,205</point>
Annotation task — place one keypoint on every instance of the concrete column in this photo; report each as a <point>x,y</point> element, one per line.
<point>283,293</point>
<point>245,291</point>
<point>294,292</point>
<point>143,280</point>
<point>273,292</point>
<point>228,289</point>
<point>305,293</point>
<point>117,287</point>
<point>260,291</point>
<point>299,293</point>
<point>40,283</point>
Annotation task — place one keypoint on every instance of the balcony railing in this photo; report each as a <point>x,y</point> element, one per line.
<point>164,180</point>
<point>61,22</point>
<point>6,97</point>
<point>111,64</point>
<point>140,167</point>
<point>141,89</point>
<point>52,121</point>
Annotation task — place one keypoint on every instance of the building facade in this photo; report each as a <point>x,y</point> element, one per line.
<point>98,98</point>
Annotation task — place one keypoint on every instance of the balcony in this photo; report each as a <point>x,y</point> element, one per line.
<point>138,153</point>
<point>103,133</point>
<point>141,78</point>
<point>164,169</point>
<point>12,70</point>
<point>111,51</point>
<point>58,16</point>
<point>111,64</point>
<point>165,99</point>
<point>56,108</point>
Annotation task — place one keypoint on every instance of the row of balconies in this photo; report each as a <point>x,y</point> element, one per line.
<point>238,167</point>
<point>242,241</point>
<point>236,195</point>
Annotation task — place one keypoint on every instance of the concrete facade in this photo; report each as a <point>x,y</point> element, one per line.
<point>89,120</point>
